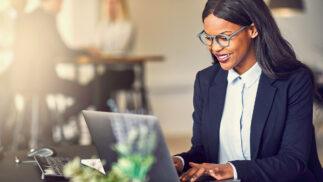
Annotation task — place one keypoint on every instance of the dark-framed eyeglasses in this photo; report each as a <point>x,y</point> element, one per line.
<point>222,39</point>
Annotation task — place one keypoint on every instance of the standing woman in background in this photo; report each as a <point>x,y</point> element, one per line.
<point>114,37</point>
<point>115,32</point>
<point>253,107</point>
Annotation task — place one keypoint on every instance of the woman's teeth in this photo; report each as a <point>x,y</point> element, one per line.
<point>224,56</point>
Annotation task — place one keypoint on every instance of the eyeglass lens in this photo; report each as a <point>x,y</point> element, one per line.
<point>208,40</point>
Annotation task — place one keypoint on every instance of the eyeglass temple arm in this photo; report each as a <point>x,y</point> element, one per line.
<point>238,31</point>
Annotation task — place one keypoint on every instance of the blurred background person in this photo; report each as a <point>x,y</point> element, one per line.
<point>38,47</point>
<point>114,36</point>
<point>10,23</point>
<point>10,19</point>
<point>115,31</point>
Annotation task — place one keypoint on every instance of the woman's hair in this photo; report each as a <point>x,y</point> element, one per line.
<point>123,13</point>
<point>274,54</point>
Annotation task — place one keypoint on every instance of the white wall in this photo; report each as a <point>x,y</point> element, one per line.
<point>169,28</point>
<point>304,32</point>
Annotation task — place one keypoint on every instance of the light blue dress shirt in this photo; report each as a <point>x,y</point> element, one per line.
<point>237,115</point>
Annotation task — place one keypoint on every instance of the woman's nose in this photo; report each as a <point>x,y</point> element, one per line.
<point>215,47</point>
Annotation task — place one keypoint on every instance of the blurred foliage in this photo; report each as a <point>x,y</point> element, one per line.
<point>135,160</point>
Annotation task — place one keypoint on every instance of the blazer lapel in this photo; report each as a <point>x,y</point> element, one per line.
<point>264,99</point>
<point>217,94</point>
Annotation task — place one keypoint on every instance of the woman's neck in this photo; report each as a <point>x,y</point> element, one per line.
<point>248,61</point>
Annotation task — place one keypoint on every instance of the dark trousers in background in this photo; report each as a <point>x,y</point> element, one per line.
<point>111,82</point>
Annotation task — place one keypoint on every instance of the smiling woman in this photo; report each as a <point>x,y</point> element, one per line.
<point>253,106</point>
<point>242,55</point>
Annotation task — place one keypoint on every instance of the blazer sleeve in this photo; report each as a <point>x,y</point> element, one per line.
<point>196,153</point>
<point>291,160</point>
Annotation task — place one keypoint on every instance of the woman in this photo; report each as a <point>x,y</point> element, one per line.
<point>114,34</point>
<point>253,107</point>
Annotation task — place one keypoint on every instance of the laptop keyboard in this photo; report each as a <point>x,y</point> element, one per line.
<point>51,166</point>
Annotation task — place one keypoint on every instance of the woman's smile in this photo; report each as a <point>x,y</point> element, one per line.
<point>222,58</point>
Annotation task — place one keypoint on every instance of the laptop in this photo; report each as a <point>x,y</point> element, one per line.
<point>102,127</point>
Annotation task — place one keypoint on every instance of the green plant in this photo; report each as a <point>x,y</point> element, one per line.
<point>135,160</point>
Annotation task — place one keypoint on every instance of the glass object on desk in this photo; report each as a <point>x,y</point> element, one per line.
<point>113,105</point>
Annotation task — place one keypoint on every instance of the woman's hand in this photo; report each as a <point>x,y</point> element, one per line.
<point>178,164</point>
<point>218,171</point>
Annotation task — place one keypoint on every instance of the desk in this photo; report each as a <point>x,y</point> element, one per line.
<point>29,172</point>
<point>137,61</point>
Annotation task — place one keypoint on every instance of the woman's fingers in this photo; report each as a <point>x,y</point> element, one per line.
<point>218,171</point>
<point>214,173</point>
<point>198,174</point>
<point>188,174</point>
<point>194,173</point>
<point>178,164</point>
<point>211,173</point>
<point>193,164</point>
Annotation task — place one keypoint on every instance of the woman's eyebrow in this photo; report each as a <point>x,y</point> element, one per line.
<point>225,32</point>
<point>220,33</point>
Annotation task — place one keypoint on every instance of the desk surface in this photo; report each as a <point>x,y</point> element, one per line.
<point>29,172</point>
<point>10,171</point>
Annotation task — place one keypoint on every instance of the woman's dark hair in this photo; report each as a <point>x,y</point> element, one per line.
<point>274,54</point>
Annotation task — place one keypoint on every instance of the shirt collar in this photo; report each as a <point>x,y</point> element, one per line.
<point>249,77</point>
<point>232,76</point>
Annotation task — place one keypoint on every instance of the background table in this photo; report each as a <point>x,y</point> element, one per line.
<point>139,64</point>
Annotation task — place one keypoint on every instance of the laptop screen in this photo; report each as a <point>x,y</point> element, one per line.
<point>108,129</point>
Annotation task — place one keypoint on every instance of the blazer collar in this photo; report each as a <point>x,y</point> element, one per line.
<point>220,78</point>
<point>264,99</point>
<point>217,92</point>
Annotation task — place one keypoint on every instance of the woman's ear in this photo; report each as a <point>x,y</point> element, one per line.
<point>253,32</point>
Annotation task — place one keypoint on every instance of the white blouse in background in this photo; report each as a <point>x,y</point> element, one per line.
<point>114,38</point>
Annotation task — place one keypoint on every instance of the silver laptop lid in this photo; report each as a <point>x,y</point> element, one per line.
<point>107,129</point>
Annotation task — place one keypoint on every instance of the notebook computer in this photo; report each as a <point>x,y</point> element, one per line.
<point>102,127</point>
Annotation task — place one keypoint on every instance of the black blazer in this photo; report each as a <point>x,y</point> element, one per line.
<point>282,140</point>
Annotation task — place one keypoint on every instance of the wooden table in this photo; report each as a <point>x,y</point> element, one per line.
<point>139,63</point>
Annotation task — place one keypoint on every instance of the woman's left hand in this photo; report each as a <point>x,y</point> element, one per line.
<point>217,171</point>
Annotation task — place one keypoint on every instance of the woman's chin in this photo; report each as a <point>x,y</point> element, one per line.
<point>225,66</point>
